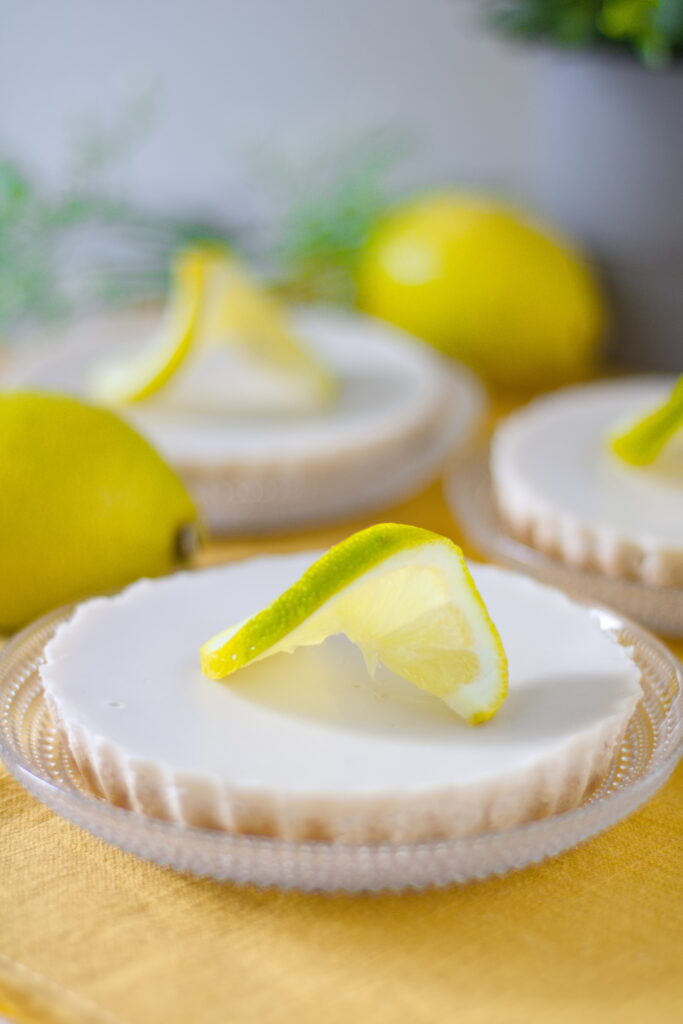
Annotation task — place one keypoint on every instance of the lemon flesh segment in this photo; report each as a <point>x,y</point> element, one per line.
<point>147,372</point>
<point>237,310</point>
<point>644,440</point>
<point>405,597</point>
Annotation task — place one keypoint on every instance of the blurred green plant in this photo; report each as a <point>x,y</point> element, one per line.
<point>79,246</point>
<point>653,29</point>
<point>66,250</point>
<point>44,267</point>
<point>329,211</point>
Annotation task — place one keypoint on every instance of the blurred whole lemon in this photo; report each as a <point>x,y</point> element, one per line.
<point>86,505</point>
<point>486,286</point>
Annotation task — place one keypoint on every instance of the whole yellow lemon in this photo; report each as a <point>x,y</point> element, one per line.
<point>86,505</point>
<point>484,284</point>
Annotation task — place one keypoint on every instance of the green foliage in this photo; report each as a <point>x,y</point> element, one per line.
<point>653,29</point>
<point>65,250</point>
<point>328,212</point>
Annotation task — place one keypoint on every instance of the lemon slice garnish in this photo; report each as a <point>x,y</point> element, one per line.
<point>405,597</point>
<point>644,440</point>
<point>214,302</point>
<point>236,309</point>
<point>143,374</point>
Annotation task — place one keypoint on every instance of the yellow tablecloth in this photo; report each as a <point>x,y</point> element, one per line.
<point>90,934</point>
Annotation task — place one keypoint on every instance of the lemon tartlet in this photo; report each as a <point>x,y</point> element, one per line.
<point>560,487</point>
<point>308,745</point>
<point>252,461</point>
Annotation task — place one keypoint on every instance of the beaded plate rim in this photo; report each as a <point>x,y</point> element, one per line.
<point>326,866</point>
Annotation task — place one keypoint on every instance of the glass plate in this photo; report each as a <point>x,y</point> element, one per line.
<point>469,493</point>
<point>32,750</point>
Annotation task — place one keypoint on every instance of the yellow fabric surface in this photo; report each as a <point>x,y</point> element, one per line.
<point>90,934</point>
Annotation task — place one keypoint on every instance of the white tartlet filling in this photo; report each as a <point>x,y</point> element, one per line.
<point>248,443</point>
<point>221,411</point>
<point>560,488</point>
<point>388,386</point>
<point>308,744</point>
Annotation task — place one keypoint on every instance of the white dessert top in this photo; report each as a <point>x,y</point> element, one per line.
<point>126,669</point>
<point>218,410</point>
<point>554,455</point>
<point>387,384</point>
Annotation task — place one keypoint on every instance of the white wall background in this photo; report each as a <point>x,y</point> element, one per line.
<point>294,77</point>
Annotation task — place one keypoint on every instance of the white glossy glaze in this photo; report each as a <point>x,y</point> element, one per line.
<point>560,487</point>
<point>222,410</point>
<point>126,671</point>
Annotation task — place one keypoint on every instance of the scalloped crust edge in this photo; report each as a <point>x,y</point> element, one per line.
<point>595,548</point>
<point>544,787</point>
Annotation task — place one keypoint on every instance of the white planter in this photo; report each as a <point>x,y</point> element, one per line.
<point>609,168</point>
